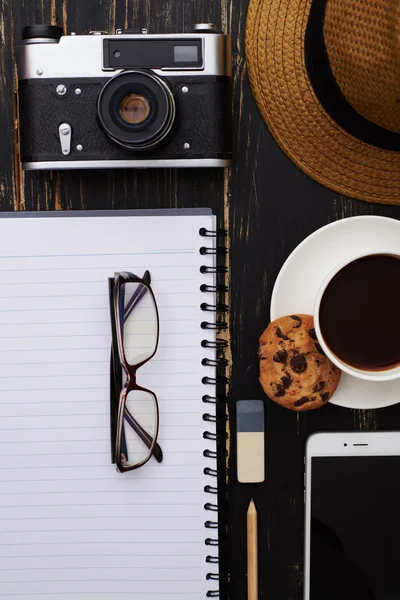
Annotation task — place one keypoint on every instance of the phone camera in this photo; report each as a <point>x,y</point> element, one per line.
<point>344,444</point>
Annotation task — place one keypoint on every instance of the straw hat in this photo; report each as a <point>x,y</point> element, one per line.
<point>326,78</point>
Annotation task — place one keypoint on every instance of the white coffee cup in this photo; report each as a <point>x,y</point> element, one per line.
<point>379,375</point>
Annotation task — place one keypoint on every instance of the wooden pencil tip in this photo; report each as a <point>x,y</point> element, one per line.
<point>252,508</point>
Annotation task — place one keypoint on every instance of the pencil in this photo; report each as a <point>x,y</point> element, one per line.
<point>252,553</point>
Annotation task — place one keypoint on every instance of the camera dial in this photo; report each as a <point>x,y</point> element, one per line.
<point>137,110</point>
<point>205,28</point>
<point>35,34</point>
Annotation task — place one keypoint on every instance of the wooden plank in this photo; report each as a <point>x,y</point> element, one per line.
<point>9,181</point>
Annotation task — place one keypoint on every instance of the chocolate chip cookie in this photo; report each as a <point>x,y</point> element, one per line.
<point>294,371</point>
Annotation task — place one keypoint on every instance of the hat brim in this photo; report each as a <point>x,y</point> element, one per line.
<point>275,37</point>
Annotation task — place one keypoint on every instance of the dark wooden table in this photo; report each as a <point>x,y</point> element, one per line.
<point>268,206</point>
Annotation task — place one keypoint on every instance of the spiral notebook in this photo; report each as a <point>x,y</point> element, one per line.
<point>70,525</point>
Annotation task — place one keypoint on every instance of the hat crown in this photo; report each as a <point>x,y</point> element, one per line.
<point>362,42</point>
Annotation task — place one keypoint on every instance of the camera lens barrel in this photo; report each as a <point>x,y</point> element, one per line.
<point>137,110</point>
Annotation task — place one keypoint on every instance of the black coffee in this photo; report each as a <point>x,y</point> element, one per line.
<point>360,313</point>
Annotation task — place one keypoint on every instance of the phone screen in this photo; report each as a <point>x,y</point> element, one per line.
<point>355,528</point>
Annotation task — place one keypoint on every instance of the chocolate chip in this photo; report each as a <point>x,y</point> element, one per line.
<point>280,334</point>
<point>296,318</point>
<point>302,401</point>
<point>298,363</point>
<point>319,386</point>
<point>313,398</point>
<point>319,349</point>
<point>280,390</point>
<point>280,356</point>
<point>325,397</point>
<point>312,334</point>
<point>286,381</point>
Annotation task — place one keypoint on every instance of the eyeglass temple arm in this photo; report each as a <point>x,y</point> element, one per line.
<point>137,295</point>
<point>115,392</point>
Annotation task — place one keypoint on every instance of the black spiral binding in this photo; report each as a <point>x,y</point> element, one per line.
<point>219,380</point>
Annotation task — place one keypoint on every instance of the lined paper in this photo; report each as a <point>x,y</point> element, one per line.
<point>70,525</point>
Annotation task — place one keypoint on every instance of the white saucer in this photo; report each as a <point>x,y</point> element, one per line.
<point>306,268</point>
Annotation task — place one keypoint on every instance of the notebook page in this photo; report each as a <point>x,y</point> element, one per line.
<point>70,525</point>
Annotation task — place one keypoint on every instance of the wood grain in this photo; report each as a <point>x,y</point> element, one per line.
<point>267,204</point>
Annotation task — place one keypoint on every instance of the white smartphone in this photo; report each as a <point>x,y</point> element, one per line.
<point>352,516</point>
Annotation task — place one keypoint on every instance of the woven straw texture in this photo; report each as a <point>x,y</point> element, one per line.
<point>364,53</point>
<point>275,56</point>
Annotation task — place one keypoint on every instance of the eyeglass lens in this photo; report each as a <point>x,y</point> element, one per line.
<point>140,327</point>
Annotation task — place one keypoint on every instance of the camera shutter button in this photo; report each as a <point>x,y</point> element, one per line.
<point>65,134</point>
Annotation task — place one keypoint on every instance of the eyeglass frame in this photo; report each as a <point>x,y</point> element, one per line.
<point>115,285</point>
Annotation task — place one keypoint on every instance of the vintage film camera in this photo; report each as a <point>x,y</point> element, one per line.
<point>126,100</point>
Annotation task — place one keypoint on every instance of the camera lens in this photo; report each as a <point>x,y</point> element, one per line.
<point>137,110</point>
<point>134,109</point>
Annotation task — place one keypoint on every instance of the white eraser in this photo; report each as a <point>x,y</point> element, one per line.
<point>250,441</point>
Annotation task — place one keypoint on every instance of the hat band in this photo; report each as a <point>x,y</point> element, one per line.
<point>328,91</point>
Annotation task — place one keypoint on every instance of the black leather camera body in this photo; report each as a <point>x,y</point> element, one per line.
<point>124,100</point>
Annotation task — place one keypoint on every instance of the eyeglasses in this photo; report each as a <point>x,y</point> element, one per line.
<point>135,334</point>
